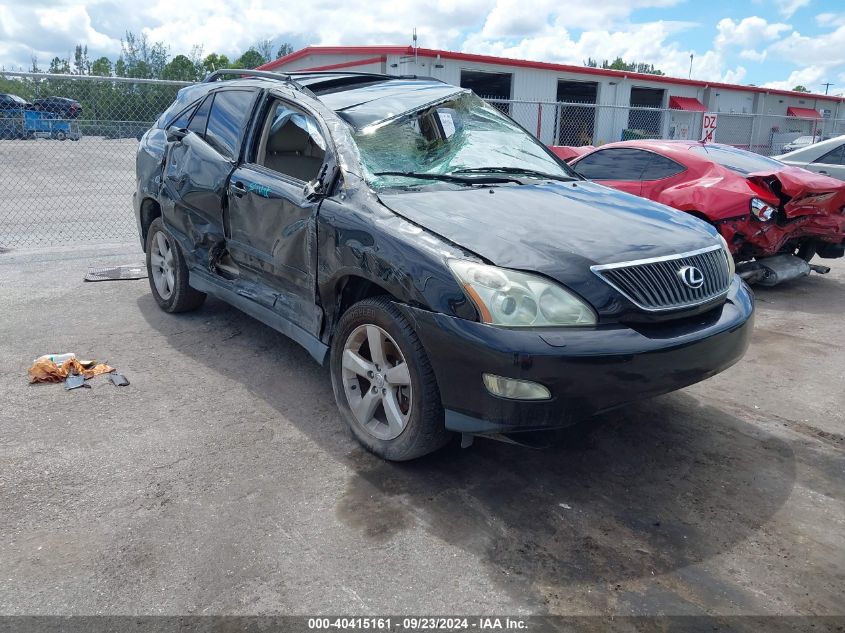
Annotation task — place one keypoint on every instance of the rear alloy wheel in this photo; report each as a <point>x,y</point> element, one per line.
<point>168,272</point>
<point>384,384</point>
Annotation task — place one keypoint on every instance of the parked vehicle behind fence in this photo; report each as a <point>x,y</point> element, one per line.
<point>826,157</point>
<point>61,106</point>
<point>454,274</point>
<point>774,217</point>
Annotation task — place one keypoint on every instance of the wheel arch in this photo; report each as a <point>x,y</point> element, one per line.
<point>150,210</point>
<point>347,290</point>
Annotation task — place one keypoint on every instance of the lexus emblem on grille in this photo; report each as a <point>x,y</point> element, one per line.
<point>692,277</point>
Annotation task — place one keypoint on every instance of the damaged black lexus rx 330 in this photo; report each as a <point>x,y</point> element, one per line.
<point>456,276</point>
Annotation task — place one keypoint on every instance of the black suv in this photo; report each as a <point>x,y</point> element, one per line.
<point>456,275</point>
<point>63,107</point>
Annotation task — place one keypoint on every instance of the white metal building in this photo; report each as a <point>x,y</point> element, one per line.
<point>575,105</point>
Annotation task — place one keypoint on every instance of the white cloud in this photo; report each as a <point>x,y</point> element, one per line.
<point>74,21</point>
<point>808,77</point>
<point>787,8</point>
<point>747,32</point>
<point>567,31</point>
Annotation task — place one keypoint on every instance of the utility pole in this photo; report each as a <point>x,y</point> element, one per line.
<point>691,55</point>
<point>827,86</point>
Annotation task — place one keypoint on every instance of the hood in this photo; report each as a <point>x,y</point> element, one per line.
<point>553,228</point>
<point>803,192</point>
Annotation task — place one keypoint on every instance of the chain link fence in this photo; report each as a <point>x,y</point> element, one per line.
<point>67,161</point>
<point>579,124</point>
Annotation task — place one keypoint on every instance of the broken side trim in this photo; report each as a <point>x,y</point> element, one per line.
<point>200,280</point>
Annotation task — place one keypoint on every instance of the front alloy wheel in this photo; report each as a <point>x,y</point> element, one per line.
<point>384,384</point>
<point>376,382</point>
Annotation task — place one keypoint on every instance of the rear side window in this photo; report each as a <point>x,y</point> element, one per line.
<point>835,157</point>
<point>181,121</point>
<point>614,164</point>
<point>738,160</point>
<point>200,118</point>
<point>660,167</point>
<point>230,113</point>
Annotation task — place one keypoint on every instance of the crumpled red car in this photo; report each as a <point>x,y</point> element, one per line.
<point>761,206</point>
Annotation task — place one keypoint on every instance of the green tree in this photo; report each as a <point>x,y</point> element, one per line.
<point>800,88</point>
<point>284,49</point>
<point>59,66</point>
<point>213,62</point>
<point>101,67</point>
<point>180,68</point>
<point>621,64</point>
<point>250,59</point>
<point>265,49</point>
<point>81,63</point>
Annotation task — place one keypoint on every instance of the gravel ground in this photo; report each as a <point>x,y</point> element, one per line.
<point>221,481</point>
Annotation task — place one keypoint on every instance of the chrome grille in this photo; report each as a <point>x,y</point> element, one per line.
<point>656,284</point>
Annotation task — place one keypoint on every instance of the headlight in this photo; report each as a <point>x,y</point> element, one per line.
<point>761,210</point>
<point>731,262</point>
<point>515,299</point>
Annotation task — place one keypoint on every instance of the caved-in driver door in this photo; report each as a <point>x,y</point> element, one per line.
<point>272,212</point>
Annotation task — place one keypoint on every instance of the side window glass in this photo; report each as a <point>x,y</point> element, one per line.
<point>230,113</point>
<point>291,143</point>
<point>613,164</point>
<point>660,167</point>
<point>181,121</point>
<point>834,157</point>
<point>200,118</point>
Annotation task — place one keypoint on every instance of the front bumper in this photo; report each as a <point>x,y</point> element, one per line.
<point>586,370</point>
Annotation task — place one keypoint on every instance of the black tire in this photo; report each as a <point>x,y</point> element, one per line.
<point>425,431</point>
<point>182,297</point>
<point>806,250</point>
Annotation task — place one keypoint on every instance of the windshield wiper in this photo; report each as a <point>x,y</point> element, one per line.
<point>422,175</point>
<point>520,171</point>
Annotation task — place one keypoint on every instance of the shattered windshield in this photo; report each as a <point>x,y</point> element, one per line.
<point>454,141</point>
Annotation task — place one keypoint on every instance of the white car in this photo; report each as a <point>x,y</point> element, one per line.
<point>824,157</point>
<point>798,143</point>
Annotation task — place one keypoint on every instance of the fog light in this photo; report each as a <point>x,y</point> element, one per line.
<point>515,389</point>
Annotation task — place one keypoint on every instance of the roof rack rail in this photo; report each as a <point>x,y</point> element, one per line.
<point>266,74</point>
<point>246,72</point>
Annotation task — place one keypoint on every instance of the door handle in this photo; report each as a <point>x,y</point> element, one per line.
<point>238,189</point>
<point>822,171</point>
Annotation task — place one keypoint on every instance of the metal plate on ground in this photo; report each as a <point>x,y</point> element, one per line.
<point>117,273</point>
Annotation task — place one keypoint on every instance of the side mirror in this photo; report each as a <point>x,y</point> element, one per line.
<point>175,134</point>
<point>317,188</point>
<point>313,189</point>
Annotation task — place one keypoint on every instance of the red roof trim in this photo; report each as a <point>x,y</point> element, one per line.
<point>354,62</point>
<point>688,104</point>
<point>523,63</point>
<point>803,113</point>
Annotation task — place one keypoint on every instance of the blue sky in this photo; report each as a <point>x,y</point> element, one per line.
<point>778,43</point>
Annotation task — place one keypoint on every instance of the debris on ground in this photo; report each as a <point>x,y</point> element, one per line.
<point>45,370</point>
<point>118,380</point>
<point>74,381</point>
<point>117,273</point>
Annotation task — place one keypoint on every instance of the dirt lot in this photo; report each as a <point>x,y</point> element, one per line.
<point>222,481</point>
